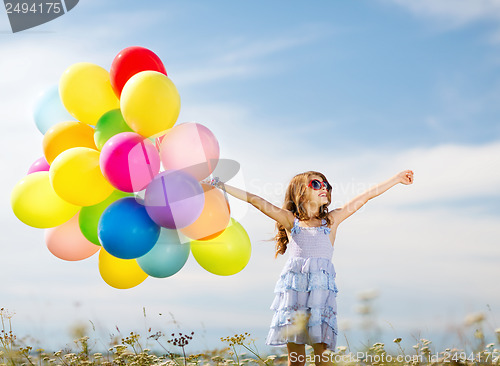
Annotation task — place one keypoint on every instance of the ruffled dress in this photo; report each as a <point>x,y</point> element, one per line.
<point>305,306</point>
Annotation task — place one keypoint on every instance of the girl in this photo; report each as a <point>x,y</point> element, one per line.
<point>305,310</point>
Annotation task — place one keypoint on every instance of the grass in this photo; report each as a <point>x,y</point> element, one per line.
<point>237,350</point>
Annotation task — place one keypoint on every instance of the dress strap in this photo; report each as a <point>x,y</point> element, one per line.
<point>296,227</point>
<point>326,229</point>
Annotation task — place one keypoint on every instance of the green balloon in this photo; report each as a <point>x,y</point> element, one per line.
<point>89,216</point>
<point>110,124</point>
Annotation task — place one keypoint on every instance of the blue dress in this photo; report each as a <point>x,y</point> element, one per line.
<point>305,306</point>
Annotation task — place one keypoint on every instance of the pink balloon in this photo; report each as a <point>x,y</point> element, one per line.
<point>129,161</point>
<point>191,147</point>
<point>67,242</point>
<point>40,165</point>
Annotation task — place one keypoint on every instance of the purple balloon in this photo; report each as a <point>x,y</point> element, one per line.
<point>174,199</point>
<point>40,165</point>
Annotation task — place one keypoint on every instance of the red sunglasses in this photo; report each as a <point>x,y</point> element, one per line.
<point>317,184</point>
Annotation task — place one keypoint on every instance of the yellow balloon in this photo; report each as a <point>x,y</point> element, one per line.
<point>77,178</point>
<point>86,92</point>
<point>226,254</point>
<point>35,202</point>
<point>150,103</point>
<point>120,273</point>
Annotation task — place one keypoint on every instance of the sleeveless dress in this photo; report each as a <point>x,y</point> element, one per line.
<point>305,306</point>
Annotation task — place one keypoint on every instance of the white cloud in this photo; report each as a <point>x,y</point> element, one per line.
<point>445,173</point>
<point>212,72</point>
<point>454,12</point>
<point>242,57</point>
<point>244,49</point>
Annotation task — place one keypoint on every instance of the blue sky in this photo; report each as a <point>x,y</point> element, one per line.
<point>358,90</point>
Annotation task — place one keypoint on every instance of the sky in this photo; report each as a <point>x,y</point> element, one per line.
<point>357,90</point>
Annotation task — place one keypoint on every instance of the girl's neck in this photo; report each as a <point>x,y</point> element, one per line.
<point>311,212</point>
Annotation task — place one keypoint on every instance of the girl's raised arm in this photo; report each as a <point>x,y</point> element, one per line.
<point>284,217</point>
<point>340,214</point>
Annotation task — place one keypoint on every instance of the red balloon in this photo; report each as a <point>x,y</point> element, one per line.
<point>129,62</point>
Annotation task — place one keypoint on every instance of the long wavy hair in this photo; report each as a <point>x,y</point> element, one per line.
<point>295,199</point>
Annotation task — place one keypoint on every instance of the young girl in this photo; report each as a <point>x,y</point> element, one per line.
<point>305,310</point>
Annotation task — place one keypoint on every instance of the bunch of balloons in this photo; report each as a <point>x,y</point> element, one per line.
<point>118,176</point>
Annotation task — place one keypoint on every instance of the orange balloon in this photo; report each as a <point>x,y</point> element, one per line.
<point>67,242</point>
<point>64,136</point>
<point>214,218</point>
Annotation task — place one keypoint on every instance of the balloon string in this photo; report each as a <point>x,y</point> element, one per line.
<point>151,174</point>
<point>164,189</point>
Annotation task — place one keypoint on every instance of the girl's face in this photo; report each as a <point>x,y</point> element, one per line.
<point>319,196</point>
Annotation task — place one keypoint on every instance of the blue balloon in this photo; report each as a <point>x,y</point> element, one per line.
<point>49,110</point>
<point>167,257</point>
<point>125,229</point>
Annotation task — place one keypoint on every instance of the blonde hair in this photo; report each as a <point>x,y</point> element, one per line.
<point>294,202</point>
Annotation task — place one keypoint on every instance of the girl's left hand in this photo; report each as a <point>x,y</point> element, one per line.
<point>406,177</point>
